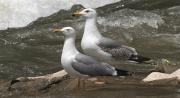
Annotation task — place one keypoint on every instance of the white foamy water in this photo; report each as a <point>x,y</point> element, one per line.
<point>19,13</point>
<point>128,18</point>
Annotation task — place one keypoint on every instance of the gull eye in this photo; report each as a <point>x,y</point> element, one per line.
<point>68,29</point>
<point>87,11</point>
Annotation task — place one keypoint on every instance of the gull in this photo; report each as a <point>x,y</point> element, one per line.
<point>82,66</point>
<point>98,46</point>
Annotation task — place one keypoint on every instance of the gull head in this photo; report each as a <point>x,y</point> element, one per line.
<point>88,13</point>
<point>67,31</point>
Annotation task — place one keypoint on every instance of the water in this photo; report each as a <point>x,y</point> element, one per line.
<point>19,13</point>
<point>35,50</point>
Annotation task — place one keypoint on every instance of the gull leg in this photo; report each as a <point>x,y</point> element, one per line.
<point>83,84</point>
<point>72,85</point>
<point>79,83</point>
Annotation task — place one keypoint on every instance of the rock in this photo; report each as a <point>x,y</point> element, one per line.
<point>177,74</point>
<point>160,78</point>
<point>163,78</point>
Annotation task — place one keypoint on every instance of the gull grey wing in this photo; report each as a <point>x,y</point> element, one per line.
<point>115,49</point>
<point>108,43</point>
<point>89,66</point>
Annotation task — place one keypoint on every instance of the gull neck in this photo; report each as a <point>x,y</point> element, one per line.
<point>91,29</point>
<point>69,46</point>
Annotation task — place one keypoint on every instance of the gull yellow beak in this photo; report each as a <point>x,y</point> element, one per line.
<point>76,14</point>
<point>57,30</point>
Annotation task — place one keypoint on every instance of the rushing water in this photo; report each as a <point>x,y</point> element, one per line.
<point>35,50</point>
<point>19,13</point>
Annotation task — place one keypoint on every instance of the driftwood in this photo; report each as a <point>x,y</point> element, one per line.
<point>39,82</point>
<point>50,77</point>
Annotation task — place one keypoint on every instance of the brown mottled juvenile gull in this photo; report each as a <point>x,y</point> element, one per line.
<point>96,45</point>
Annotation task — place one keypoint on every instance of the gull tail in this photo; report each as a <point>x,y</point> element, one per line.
<point>122,72</point>
<point>139,58</point>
